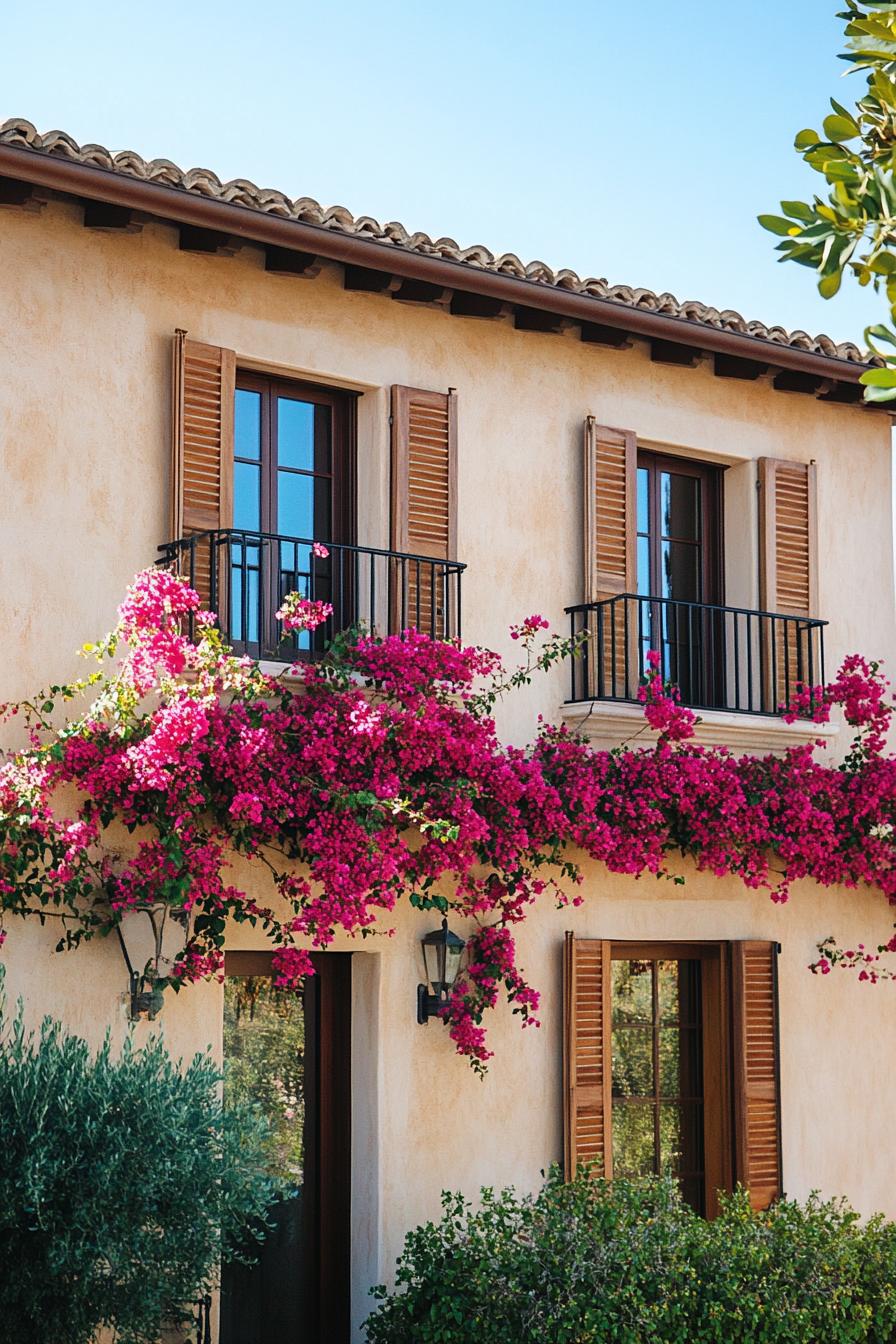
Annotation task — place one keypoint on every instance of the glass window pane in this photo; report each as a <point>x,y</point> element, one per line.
<point>643,500</point>
<point>670,1062</point>
<point>247,424</point>
<point>680,506</point>
<point>246,496</point>
<point>681,1139</point>
<point>644,566</point>
<point>632,992</point>
<point>295,433</point>
<point>667,973</point>
<point>680,566</point>
<point>632,1062</point>
<point>295,503</point>
<point>633,1139</point>
<point>678,985</point>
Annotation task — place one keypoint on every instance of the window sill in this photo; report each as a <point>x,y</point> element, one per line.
<point>609,724</point>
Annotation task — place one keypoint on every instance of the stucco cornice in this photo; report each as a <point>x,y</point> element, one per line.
<point>239,208</point>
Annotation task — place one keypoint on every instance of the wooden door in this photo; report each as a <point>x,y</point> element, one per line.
<point>292,1055</point>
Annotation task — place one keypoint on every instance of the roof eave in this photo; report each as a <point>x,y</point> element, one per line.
<point>185,207</point>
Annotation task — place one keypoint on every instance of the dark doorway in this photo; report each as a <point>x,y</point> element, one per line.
<point>292,1054</point>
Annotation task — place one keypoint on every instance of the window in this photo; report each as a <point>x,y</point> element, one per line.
<point>671,1064</point>
<point>679,559</point>
<point>657,1071</point>
<point>292,486</point>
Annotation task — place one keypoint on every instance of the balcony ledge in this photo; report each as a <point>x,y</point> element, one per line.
<point>609,724</point>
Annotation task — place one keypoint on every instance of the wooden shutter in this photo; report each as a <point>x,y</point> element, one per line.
<point>587,1083</point>
<point>202,451</point>
<point>788,569</point>
<point>757,1088</point>
<point>611,558</point>
<point>424,504</point>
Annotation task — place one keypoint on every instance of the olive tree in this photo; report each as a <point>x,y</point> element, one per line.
<point>850,229</point>
<point>123,1182</point>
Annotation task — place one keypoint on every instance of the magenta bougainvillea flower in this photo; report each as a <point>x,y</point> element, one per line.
<point>377,775</point>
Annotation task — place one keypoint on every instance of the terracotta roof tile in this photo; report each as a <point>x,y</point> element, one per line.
<point>201,181</point>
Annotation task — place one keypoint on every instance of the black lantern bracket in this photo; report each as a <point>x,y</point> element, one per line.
<point>442,951</point>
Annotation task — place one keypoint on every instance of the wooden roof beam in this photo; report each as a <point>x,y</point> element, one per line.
<point>466,304</point>
<point>285,261</point>
<point>732,366</point>
<point>366,281</point>
<point>19,195</point>
<point>595,333</point>
<point>421,291</point>
<point>671,352</point>
<point>536,319</point>
<point>794,380</point>
<point>211,242</point>
<point>111,218</point>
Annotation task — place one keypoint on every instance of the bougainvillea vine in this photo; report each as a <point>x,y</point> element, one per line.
<point>376,773</point>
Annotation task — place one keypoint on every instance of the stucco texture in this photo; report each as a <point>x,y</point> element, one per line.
<point>86,320</point>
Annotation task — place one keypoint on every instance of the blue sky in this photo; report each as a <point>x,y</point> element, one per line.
<point>635,141</point>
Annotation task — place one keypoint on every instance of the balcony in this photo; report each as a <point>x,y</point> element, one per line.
<point>244,577</point>
<point>726,659</point>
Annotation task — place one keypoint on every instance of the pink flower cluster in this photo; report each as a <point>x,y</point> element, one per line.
<point>529,628</point>
<point>303,613</point>
<point>384,778</point>
<point>662,704</point>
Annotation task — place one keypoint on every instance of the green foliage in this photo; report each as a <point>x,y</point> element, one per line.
<point>629,1263</point>
<point>122,1184</point>
<point>264,1049</point>
<point>851,228</point>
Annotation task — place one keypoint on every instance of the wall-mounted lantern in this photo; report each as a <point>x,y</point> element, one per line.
<point>169,934</point>
<point>442,951</point>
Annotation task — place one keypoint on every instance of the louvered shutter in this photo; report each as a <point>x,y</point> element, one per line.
<point>755,1054</point>
<point>202,455</point>
<point>611,560</point>
<point>424,505</point>
<point>788,575</point>
<point>587,1093</point>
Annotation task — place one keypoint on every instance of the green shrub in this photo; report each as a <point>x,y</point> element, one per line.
<point>122,1183</point>
<point>629,1263</point>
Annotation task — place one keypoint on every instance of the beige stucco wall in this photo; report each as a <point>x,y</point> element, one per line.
<point>85,327</point>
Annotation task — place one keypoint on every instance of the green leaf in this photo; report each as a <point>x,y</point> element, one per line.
<point>798,210</point>
<point>838,128</point>
<point>880,333</point>
<point>879,394</point>
<point>828,285</point>
<point>806,139</point>
<point>879,378</point>
<point>776,224</point>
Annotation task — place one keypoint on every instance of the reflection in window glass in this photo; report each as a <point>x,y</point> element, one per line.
<point>680,506</point>
<point>295,434</point>
<point>295,503</point>
<point>264,1056</point>
<point>246,496</point>
<point>657,1071</point>
<point>247,424</point>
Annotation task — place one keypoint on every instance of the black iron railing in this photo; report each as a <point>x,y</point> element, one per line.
<point>727,658</point>
<point>245,576</point>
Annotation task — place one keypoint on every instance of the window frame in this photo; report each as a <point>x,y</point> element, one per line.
<point>711,542</point>
<point>715,1031</point>
<point>343,462</point>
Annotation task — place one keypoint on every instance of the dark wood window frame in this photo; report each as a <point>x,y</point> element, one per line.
<point>343,473</point>
<point>342,525</point>
<point>328,1099</point>
<point>715,1027</point>
<point>712,577</point>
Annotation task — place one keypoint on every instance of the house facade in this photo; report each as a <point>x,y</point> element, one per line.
<point>218,376</point>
